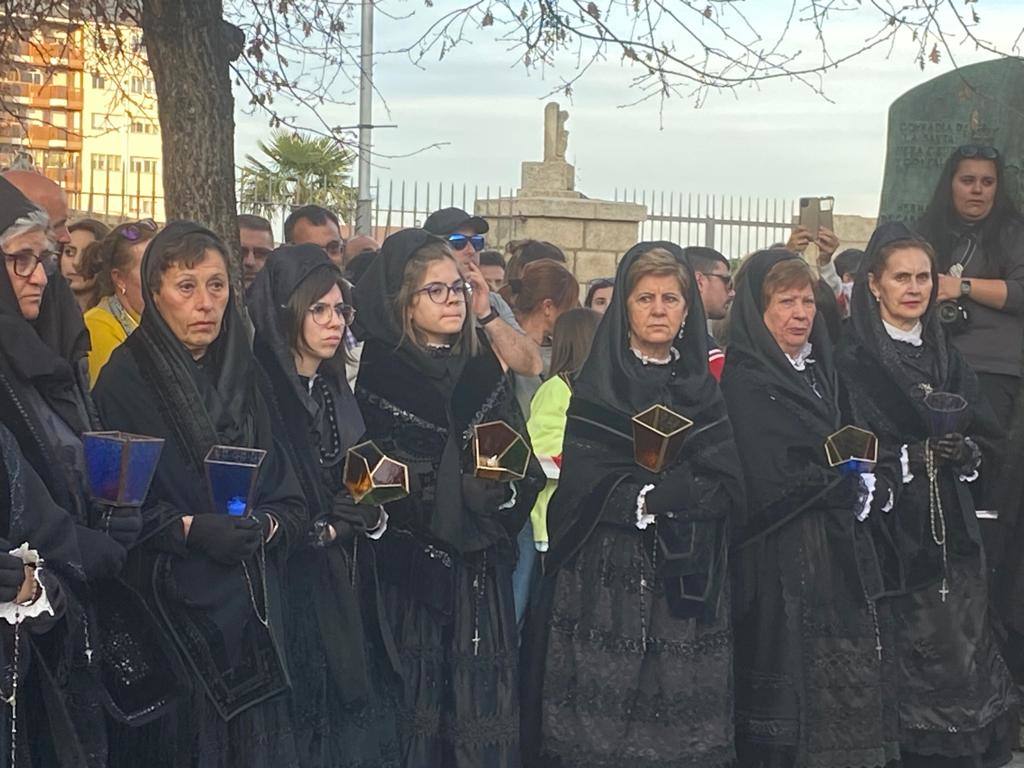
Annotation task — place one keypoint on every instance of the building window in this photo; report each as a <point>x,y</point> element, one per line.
<point>99,82</point>
<point>142,206</point>
<point>110,163</point>
<point>143,165</point>
<point>33,76</point>
<point>101,121</point>
<point>142,126</point>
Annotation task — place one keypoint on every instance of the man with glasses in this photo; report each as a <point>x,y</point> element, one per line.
<point>256,237</point>
<point>714,282</point>
<point>50,197</point>
<point>316,225</point>
<point>465,236</point>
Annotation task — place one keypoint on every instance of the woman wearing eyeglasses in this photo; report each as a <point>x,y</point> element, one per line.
<point>427,377</point>
<point>344,672</point>
<point>115,262</point>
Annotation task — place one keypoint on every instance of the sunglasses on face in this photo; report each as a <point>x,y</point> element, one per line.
<point>134,232</point>
<point>969,151</point>
<point>324,313</point>
<point>459,242</point>
<point>439,293</point>
<point>25,262</point>
<point>260,254</point>
<point>726,279</point>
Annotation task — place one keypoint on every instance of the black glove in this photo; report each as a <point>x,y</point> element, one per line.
<point>122,524</point>
<point>12,576</point>
<point>350,519</point>
<point>954,449</point>
<point>225,538</point>
<point>483,497</point>
<point>670,495</point>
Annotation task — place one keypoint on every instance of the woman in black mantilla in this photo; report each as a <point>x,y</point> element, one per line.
<point>810,683</point>
<point>426,378</point>
<point>956,703</point>
<point>630,642</point>
<point>341,656</point>
<point>187,375</point>
<point>44,402</point>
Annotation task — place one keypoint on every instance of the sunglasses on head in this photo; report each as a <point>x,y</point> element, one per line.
<point>459,242</point>
<point>969,151</point>
<point>134,232</point>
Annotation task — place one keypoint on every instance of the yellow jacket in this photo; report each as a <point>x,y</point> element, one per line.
<point>546,427</point>
<point>106,334</point>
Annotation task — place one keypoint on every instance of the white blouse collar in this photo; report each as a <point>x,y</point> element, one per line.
<point>912,337</point>
<point>800,360</point>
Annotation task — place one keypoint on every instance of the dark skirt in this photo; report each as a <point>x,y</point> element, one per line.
<point>333,728</point>
<point>454,623</point>
<point>956,696</point>
<point>193,735</point>
<point>625,683</point>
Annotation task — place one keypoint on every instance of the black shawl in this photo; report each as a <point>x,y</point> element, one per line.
<point>326,573</point>
<point>420,408</point>
<point>152,386</point>
<point>886,395</point>
<point>612,387</point>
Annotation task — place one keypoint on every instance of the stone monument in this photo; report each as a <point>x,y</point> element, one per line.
<point>979,104</point>
<point>593,233</point>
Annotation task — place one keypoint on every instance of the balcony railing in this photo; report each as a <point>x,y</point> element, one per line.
<point>41,136</point>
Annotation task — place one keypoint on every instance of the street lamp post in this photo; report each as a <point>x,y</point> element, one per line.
<point>364,208</point>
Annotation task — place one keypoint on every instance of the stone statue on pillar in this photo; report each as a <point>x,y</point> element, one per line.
<point>552,177</point>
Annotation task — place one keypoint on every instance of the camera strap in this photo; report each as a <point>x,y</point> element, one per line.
<point>957,270</point>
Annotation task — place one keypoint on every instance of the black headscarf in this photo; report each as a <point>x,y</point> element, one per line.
<point>208,402</point>
<point>285,270</point>
<point>610,377</point>
<point>614,386</point>
<point>375,298</point>
<point>869,338</point>
<point>50,346</point>
<point>750,338</point>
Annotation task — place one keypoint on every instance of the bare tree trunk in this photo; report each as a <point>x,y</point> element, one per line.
<point>190,48</point>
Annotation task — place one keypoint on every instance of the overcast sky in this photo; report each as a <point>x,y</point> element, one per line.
<point>778,139</point>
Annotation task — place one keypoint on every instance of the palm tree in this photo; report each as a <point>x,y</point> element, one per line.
<point>299,170</point>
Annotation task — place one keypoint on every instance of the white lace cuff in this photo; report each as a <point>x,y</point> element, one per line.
<point>908,476</point>
<point>642,518</point>
<point>890,503</point>
<point>13,613</point>
<point>867,495</point>
<point>512,499</point>
<point>382,525</point>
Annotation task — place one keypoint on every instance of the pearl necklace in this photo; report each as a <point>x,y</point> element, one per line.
<point>673,355</point>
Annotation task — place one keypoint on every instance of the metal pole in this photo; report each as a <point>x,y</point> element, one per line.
<point>364,208</point>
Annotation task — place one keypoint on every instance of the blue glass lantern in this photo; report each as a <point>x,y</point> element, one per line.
<point>120,466</point>
<point>231,476</point>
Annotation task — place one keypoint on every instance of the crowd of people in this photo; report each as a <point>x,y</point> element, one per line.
<point>742,591</point>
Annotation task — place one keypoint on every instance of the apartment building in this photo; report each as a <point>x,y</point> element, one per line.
<point>85,111</point>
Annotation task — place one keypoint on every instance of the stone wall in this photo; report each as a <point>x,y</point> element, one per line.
<point>593,233</point>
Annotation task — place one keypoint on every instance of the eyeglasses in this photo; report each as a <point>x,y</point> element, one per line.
<point>726,279</point>
<point>440,293</point>
<point>134,232</point>
<point>25,261</point>
<point>968,151</point>
<point>459,242</point>
<point>258,253</point>
<point>324,313</point>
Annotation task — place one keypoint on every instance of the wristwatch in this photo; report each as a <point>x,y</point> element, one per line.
<point>965,288</point>
<point>489,317</point>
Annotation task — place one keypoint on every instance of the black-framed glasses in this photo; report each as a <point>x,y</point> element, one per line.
<point>439,293</point>
<point>459,242</point>
<point>135,231</point>
<point>970,151</point>
<point>323,313</point>
<point>25,261</point>
<point>726,279</point>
